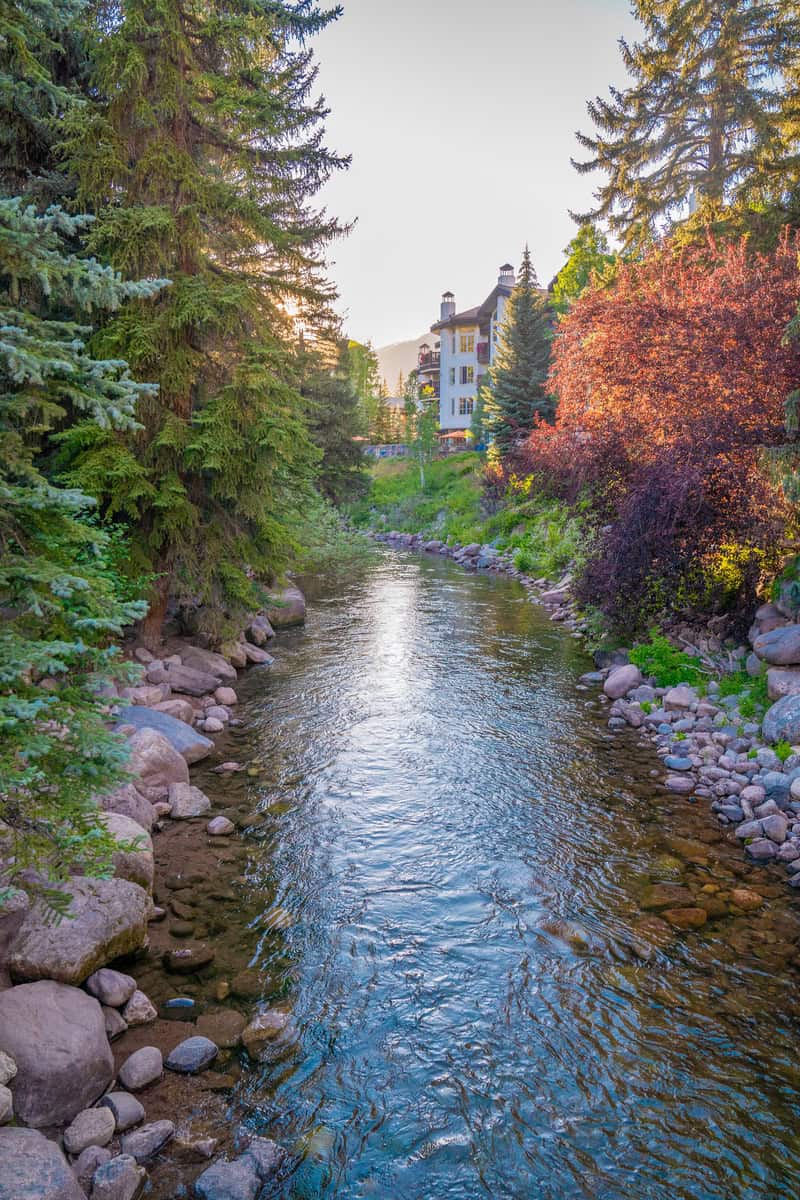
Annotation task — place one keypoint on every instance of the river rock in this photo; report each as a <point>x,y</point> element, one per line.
<point>136,863</point>
<point>782,681</point>
<point>750,829</point>
<point>128,802</point>
<point>226,695</point>
<point>218,712</point>
<point>188,959</point>
<point>220,827</point>
<point>56,1036</point>
<point>775,827</point>
<point>746,899</point>
<point>679,698</point>
<point>143,1144</point>
<point>6,1105</point>
<point>141,1068</point>
<point>187,801</point>
<point>622,680</point>
<point>115,1023</point>
<point>267,1156</point>
<point>782,720</point>
<point>260,631</point>
<point>119,1179</point>
<point>679,783</point>
<point>111,987</point>
<point>185,740</point>
<point>139,1010</point>
<point>92,1127</point>
<point>210,662</point>
<point>154,760</point>
<point>685,918</point>
<point>666,895</point>
<point>187,681</point>
<point>223,1026</point>
<point>762,849</point>
<point>288,608</point>
<point>33,1168</point>
<point>779,647</point>
<point>675,762</point>
<point>8,1068</point>
<point>89,1161</point>
<point>107,919</point>
<point>192,1056</point>
<point>178,708</point>
<point>213,725</point>
<point>263,1029</point>
<point>125,1109</point>
<point>148,694</point>
<point>256,656</point>
<point>238,1180</point>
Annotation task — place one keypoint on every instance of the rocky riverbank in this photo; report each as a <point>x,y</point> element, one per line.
<point>716,748</point>
<point>110,1077</point>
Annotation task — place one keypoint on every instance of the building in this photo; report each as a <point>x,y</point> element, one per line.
<point>466,348</point>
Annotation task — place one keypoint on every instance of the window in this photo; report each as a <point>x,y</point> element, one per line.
<point>468,343</point>
<point>467,374</point>
<point>452,375</point>
<point>465,406</point>
<point>453,407</point>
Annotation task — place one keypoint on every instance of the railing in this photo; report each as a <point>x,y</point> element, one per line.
<point>430,361</point>
<point>483,353</point>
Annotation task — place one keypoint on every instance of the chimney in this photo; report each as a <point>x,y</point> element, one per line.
<point>448,308</point>
<point>507,276</point>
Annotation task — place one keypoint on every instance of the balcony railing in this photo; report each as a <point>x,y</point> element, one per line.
<point>430,361</point>
<point>483,353</point>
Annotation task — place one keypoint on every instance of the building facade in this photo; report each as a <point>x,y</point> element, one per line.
<point>466,347</point>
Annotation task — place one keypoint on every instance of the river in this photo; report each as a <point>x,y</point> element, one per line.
<point>452,856</point>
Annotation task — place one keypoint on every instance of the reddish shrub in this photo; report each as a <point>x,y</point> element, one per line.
<point>670,385</point>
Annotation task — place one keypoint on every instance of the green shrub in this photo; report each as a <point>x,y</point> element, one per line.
<point>665,663</point>
<point>783,750</point>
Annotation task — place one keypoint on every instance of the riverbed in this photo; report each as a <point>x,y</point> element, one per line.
<point>443,877</point>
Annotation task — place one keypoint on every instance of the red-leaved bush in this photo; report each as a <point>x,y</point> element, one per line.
<point>671,384</point>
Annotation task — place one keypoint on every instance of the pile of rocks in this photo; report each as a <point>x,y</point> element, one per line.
<point>61,1006</point>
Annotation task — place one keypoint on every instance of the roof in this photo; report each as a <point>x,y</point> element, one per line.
<point>473,316</point>
<point>468,317</point>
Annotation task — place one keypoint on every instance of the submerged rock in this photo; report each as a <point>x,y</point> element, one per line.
<point>33,1168</point>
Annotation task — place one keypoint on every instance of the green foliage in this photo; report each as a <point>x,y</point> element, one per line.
<point>326,543</point>
<point>335,421</point>
<point>783,750</point>
<point>200,154</point>
<point>449,507</point>
<point>421,411</point>
<point>63,602</point>
<point>666,664</point>
<point>589,260</point>
<point>709,115</point>
<point>549,537</point>
<point>647,707</point>
<point>517,394</point>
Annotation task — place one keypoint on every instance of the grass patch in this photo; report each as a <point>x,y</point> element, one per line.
<point>449,507</point>
<point>666,664</point>
<point>783,750</point>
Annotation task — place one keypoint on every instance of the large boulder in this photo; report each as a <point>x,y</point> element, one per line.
<point>127,802</point>
<point>155,761</point>
<point>33,1168</point>
<point>782,721</point>
<point>191,681</point>
<point>288,608</point>
<point>178,707</point>
<point>210,662</point>
<point>107,918</point>
<point>782,682</point>
<point>622,680</point>
<point>779,647</point>
<point>190,744</point>
<point>136,862</point>
<point>57,1038</point>
<point>259,630</point>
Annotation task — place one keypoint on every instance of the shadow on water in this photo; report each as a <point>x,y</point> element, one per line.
<point>449,886</point>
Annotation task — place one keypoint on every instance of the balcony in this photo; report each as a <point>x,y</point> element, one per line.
<point>483,353</point>
<point>430,360</point>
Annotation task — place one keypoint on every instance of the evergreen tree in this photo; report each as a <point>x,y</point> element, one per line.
<point>517,392</point>
<point>366,378</point>
<point>336,422</point>
<point>61,599</point>
<point>704,121</point>
<point>200,160</point>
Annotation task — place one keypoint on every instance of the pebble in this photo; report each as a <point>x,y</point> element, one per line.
<point>142,1068</point>
<point>139,1010</point>
<point>188,959</point>
<point>110,987</point>
<point>92,1127</point>
<point>220,827</point>
<point>192,1056</point>
<point>679,783</point>
<point>146,1142</point>
<point>125,1108</point>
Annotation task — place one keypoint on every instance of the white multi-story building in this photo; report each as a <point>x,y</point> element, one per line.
<point>465,350</point>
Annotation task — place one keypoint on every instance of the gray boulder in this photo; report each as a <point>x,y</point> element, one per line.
<point>782,681</point>
<point>190,744</point>
<point>91,1127</point>
<point>143,1144</point>
<point>33,1168</point>
<point>56,1035</point>
<point>107,919</point>
<point>287,609</point>
<point>179,708</point>
<point>190,681</point>
<point>779,647</point>
<point>782,721</point>
<point>237,1180</point>
<point>125,1109</point>
<point>209,662</point>
<point>187,801</point>
<point>141,1068</point>
<point>136,863</point>
<point>154,760</point>
<point>622,680</point>
<point>127,802</point>
<point>119,1179</point>
<point>257,656</point>
<point>192,1056</point>
<point>111,987</point>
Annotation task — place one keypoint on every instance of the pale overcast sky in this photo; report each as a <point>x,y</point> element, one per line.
<point>460,117</point>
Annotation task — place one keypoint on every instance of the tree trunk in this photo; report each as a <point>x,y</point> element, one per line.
<point>153,623</point>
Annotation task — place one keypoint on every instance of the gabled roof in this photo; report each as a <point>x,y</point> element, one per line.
<point>468,317</point>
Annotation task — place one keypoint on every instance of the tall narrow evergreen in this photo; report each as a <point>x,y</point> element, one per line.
<point>517,394</point>
<point>336,422</point>
<point>201,162</point>
<point>704,120</point>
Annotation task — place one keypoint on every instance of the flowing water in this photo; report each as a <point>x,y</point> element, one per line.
<point>445,893</point>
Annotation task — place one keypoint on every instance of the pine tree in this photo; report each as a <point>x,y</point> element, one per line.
<point>704,121</point>
<point>517,392</point>
<point>200,160</point>
<point>61,599</point>
<point>588,257</point>
<point>336,421</point>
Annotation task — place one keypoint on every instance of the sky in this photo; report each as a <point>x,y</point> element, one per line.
<point>460,117</point>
